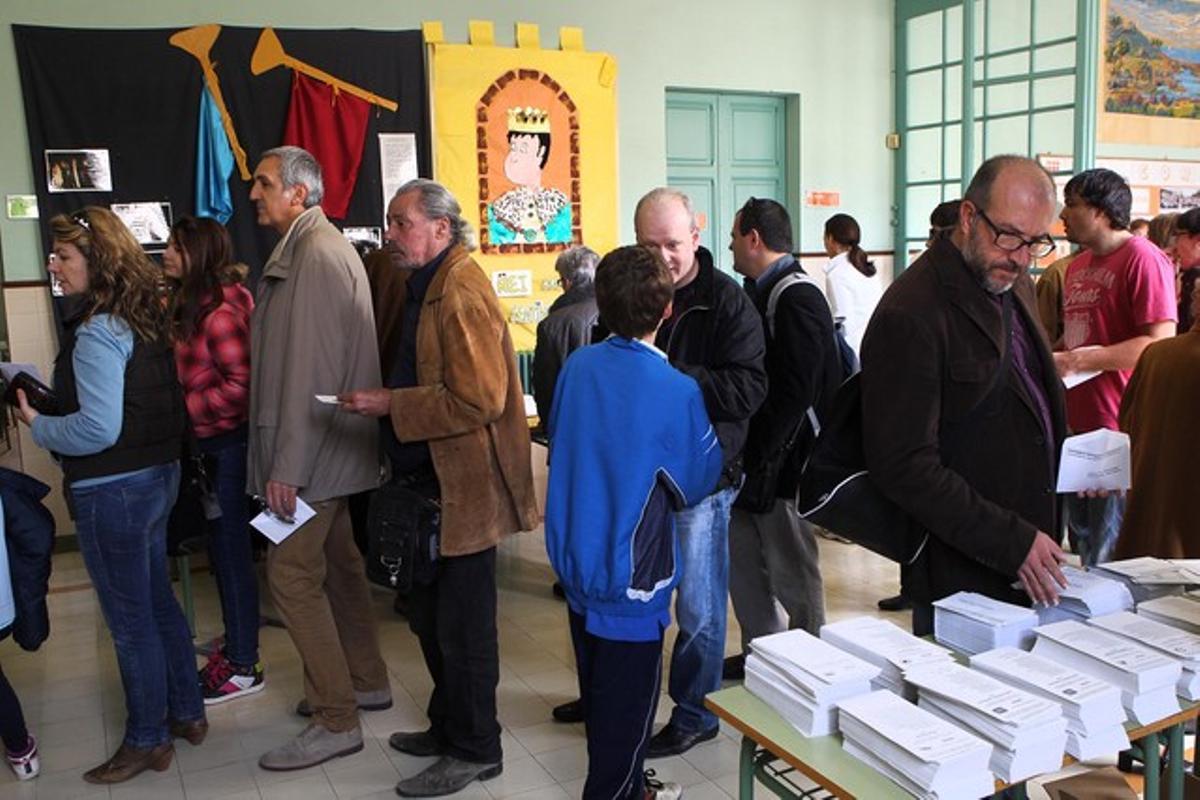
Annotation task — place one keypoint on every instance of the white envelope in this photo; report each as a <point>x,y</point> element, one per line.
<point>1096,460</point>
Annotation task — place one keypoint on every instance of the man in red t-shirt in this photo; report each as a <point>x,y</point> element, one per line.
<point>1118,297</point>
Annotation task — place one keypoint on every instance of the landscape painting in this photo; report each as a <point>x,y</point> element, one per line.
<point>1150,54</point>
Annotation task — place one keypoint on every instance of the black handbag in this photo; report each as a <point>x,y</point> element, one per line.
<point>196,507</point>
<point>402,536</point>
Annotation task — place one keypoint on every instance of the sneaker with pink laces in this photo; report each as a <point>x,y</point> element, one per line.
<point>221,680</point>
<point>25,764</point>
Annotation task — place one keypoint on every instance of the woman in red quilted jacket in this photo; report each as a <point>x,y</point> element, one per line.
<point>211,331</point>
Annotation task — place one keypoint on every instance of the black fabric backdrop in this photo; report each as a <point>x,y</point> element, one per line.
<point>132,92</point>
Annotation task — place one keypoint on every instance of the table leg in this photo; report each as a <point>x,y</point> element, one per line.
<point>746,770</point>
<point>1175,762</point>
<point>1151,766</point>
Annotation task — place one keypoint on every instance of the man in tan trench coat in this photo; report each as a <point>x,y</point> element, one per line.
<point>313,333</point>
<point>459,436</point>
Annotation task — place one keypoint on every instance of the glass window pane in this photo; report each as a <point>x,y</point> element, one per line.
<point>979,69</point>
<point>1013,64</point>
<point>954,33</point>
<point>924,154</point>
<point>925,97</point>
<point>1059,56</point>
<point>1009,135</point>
<point>1054,91</point>
<point>1008,24</point>
<point>920,201</point>
<point>925,40</point>
<point>977,153</point>
<point>953,86</point>
<point>1053,19</point>
<point>1053,132</point>
<point>978,101</point>
<point>952,165</point>
<point>1008,97</point>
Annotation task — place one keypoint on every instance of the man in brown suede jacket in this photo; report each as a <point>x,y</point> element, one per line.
<point>458,435</point>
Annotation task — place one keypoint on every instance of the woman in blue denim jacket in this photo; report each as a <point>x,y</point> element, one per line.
<point>117,436</point>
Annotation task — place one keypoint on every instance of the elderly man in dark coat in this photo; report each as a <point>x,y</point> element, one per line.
<point>568,325</point>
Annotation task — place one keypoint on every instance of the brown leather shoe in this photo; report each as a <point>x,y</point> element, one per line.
<point>130,761</point>
<point>193,731</point>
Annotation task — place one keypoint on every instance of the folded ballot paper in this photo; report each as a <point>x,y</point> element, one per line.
<point>1096,460</point>
<point>971,623</point>
<point>1179,611</point>
<point>887,646</point>
<point>1145,677</point>
<point>1088,594</point>
<point>802,678</point>
<point>1147,577</point>
<point>1093,710</point>
<point>1029,732</point>
<point>927,756</point>
<point>1179,644</point>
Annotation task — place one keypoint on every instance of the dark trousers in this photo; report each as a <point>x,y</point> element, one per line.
<point>922,619</point>
<point>454,617</point>
<point>619,685</point>
<point>12,722</point>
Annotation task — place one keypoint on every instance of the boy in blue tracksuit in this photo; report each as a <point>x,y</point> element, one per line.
<point>631,444</point>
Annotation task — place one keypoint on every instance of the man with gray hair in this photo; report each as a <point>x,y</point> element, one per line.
<point>459,440</point>
<point>567,326</point>
<point>313,333</point>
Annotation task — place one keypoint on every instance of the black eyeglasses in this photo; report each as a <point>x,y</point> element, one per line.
<point>1011,242</point>
<point>80,218</point>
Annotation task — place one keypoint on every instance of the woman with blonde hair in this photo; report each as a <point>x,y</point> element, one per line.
<point>117,435</point>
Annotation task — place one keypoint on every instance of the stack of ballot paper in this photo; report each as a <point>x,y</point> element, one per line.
<point>1093,709</point>
<point>802,678</point>
<point>887,646</point>
<point>1088,594</point>
<point>1148,577</point>
<point>1029,732</point>
<point>1181,612</point>
<point>971,623</point>
<point>1180,644</point>
<point>1145,677</point>
<point>927,756</point>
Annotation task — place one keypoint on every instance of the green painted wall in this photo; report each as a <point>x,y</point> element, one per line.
<point>836,56</point>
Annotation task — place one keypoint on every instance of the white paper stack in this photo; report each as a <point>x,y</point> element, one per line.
<point>1088,594</point>
<point>887,646</point>
<point>927,756</point>
<point>1029,733</point>
<point>1148,577</point>
<point>1093,710</point>
<point>971,623</point>
<point>1180,644</point>
<point>1145,677</point>
<point>802,678</point>
<point>1178,611</point>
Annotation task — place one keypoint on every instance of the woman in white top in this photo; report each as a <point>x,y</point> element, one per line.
<point>853,289</point>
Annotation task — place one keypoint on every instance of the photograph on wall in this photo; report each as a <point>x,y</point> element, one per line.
<point>22,206</point>
<point>150,223</point>
<point>1178,198</point>
<point>1150,72</point>
<point>364,239</point>
<point>78,171</point>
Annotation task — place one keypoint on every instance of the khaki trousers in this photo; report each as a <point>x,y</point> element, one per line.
<point>319,585</point>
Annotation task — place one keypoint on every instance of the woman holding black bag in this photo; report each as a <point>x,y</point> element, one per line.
<point>210,326</point>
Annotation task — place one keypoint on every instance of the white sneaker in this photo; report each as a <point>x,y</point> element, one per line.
<point>25,765</point>
<point>660,790</point>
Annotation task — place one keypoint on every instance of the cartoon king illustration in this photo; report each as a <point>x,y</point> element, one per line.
<point>529,213</point>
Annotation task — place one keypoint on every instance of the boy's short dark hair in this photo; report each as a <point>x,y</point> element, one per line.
<point>772,222</point>
<point>633,288</point>
<point>1105,191</point>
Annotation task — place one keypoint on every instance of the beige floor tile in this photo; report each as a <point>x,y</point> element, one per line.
<point>208,784</point>
<point>520,775</point>
<point>312,787</point>
<point>566,764</point>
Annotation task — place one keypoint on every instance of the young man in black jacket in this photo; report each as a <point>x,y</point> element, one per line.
<point>773,552</point>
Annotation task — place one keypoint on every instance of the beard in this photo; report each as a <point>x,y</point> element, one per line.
<point>995,275</point>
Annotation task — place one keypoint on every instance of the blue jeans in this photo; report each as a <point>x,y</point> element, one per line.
<point>122,529</point>
<point>1093,524</point>
<point>229,547</point>
<point>700,609</point>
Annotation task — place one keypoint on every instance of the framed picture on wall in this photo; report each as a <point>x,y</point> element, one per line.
<point>150,223</point>
<point>78,171</point>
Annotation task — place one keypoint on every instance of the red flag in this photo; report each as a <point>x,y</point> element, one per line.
<point>333,127</point>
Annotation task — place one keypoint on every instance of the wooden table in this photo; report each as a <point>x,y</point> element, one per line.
<point>767,737</point>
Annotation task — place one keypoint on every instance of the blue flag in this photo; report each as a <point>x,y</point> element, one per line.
<point>214,163</point>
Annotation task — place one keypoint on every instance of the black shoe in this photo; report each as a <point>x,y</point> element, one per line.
<point>446,776</point>
<point>558,591</point>
<point>568,712</point>
<point>415,743</point>
<point>734,668</point>
<point>900,602</point>
<point>670,741</point>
